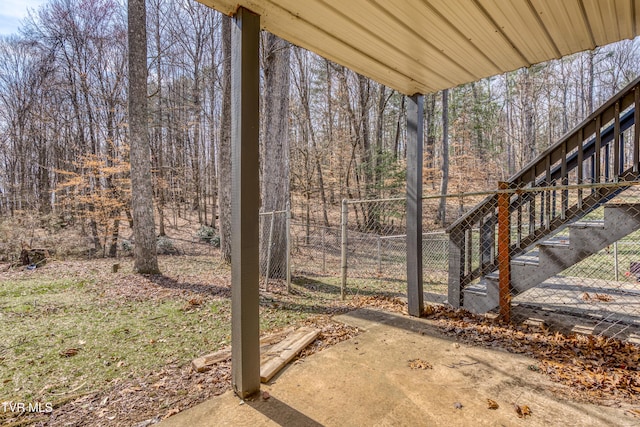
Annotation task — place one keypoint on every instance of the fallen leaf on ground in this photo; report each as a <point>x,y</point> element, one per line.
<point>603,297</point>
<point>492,404</point>
<point>196,301</point>
<point>69,352</point>
<point>594,367</point>
<point>522,411</point>
<point>428,310</point>
<point>518,410</point>
<point>419,364</point>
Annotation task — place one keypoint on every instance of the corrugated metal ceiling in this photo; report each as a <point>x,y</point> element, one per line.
<point>421,46</point>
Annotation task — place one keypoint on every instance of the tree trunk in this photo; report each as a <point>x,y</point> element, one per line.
<point>478,121</point>
<point>529,117</point>
<point>430,149</point>
<point>145,257</point>
<point>275,159</point>
<point>592,54</point>
<point>212,138</point>
<point>442,209</point>
<point>159,157</point>
<point>224,151</point>
<point>378,176</point>
<point>309,132</point>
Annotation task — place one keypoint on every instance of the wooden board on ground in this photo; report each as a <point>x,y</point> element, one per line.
<point>204,363</point>
<point>282,353</point>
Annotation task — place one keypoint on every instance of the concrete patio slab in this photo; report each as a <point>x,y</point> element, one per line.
<point>368,381</point>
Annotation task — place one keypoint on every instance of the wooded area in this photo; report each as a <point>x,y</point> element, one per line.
<point>327,133</point>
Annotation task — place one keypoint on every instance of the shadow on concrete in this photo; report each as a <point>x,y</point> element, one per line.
<point>281,413</point>
<point>394,320</point>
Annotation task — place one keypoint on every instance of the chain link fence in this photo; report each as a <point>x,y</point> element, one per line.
<point>375,248</point>
<point>566,255</point>
<point>275,248</point>
<point>571,254</point>
<point>315,249</point>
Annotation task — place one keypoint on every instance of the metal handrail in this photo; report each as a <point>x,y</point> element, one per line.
<point>550,169</point>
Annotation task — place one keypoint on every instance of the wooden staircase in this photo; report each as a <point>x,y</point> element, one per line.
<point>551,257</point>
<point>583,171</point>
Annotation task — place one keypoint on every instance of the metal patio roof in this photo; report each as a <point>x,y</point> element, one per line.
<point>421,46</point>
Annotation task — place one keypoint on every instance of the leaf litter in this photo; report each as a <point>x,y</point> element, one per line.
<point>420,364</point>
<point>142,397</point>
<point>597,369</point>
<point>492,404</point>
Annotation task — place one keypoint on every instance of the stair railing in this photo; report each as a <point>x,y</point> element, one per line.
<point>588,154</point>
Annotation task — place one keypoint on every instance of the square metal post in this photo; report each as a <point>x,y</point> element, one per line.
<point>245,201</point>
<point>504,254</point>
<point>415,121</point>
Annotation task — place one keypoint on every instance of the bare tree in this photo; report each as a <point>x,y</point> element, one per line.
<point>145,258</point>
<point>442,208</point>
<point>224,150</point>
<point>303,85</point>
<point>275,148</point>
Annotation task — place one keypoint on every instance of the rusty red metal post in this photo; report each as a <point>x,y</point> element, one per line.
<point>504,257</point>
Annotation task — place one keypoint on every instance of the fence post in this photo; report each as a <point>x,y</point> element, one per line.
<point>288,231</point>
<point>379,255</point>
<point>504,258</point>
<point>324,251</point>
<point>456,268</point>
<point>266,279</point>
<point>615,260</point>
<point>343,248</point>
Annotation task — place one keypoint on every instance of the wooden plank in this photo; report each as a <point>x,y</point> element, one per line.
<point>204,363</point>
<point>580,164</point>
<point>617,153</point>
<point>547,205</point>
<point>564,195</point>
<point>636,132</point>
<point>598,161</point>
<point>282,353</point>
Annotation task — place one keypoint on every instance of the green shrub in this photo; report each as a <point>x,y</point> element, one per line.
<point>165,246</point>
<point>205,233</point>
<point>208,234</point>
<point>126,246</point>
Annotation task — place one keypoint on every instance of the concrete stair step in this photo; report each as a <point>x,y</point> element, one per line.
<point>598,223</point>
<point>555,254</point>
